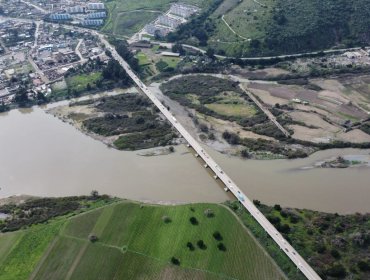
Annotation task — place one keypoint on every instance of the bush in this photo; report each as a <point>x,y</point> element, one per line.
<point>277,207</point>
<point>93,238</point>
<point>166,219</point>
<point>193,221</point>
<point>209,213</point>
<point>190,246</point>
<point>335,254</point>
<point>175,261</point>
<point>337,270</point>
<point>221,247</point>
<point>363,266</point>
<point>201,245</point>
<point>217,235</point>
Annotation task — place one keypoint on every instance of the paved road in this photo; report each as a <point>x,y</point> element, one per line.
<point>219,173</point>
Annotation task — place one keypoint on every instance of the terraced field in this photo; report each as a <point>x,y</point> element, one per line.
<point>138,242</point>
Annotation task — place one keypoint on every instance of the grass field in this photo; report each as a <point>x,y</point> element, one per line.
<point>238,110</point>
<point>79,83</point>
<point>135,242</point>
<point>25,250</point>
<point>127,24</point>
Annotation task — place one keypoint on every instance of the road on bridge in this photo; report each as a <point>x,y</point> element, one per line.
<point>301,264</point>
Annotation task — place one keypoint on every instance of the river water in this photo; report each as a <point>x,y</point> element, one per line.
<point>40,155</point>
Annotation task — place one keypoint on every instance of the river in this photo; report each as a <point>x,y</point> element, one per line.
<point>42,156</point>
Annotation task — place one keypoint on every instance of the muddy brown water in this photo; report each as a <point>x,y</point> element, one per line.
<point>40,155</point>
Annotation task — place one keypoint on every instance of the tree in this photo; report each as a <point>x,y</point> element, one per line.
<point>190,246</point>
<point>21,97</point>
<point>94,194</point>
<point>209,213</point>
<point>201,244</point>
<point>175,261</point>
<point>166,219</point>
<point>221,247</point>
<point>217,235</point>
<point>88,87</point>
<point>194,221</point>
<point>210,53</point>
<point>93,238</point>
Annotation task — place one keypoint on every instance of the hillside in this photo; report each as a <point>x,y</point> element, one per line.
<point>134,241</point>
<point>271,27</point>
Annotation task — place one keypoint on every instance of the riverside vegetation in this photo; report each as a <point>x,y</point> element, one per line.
<point>336,246</point>
<point>131,119</point>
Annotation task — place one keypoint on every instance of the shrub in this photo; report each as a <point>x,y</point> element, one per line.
<point>221,247</point>
<point>175,261</point>
<point>166,219</point>
<point>209,213</point>
<point>193,221</point>
<point>337,270</point>
<point>201,245</point>
<point>335,254</point>
<point>93,238</point>
<point>190,246</point>
<point>277,207</point>
<point>217,235</point>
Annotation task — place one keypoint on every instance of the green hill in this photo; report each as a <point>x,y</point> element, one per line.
<point>200,241</point>
<point>271,27</point>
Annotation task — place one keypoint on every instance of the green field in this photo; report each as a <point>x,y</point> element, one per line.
<point>79,83</point>
<point>23,250</point>
<point>238,110</point>
<point>127,24</point>
<point>137,242</point>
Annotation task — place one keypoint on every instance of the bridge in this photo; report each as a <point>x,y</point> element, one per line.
<point>301,264</point>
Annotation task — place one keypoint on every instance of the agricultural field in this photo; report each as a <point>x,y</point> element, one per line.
<point>322,107</point>
<point>138,241</point>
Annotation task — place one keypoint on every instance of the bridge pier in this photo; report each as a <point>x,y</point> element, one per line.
<point>215,176</point>
<point>196,155</point>
<point>206,165</point>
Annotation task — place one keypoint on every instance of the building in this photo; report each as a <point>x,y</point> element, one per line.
<point>168,21</point>
<point>183,11</point>
<point>75,10</point>
<point>92,22</point>
<point>95,6</point>
<point>58,17</point>
<point>96,15</point>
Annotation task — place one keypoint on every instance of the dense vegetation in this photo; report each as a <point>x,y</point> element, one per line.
<point>278,27</point>
<point>132,118</point>
<point>337,246</point>
<point>132,241</point>
<point>40,210</point>
<point>301,25</point>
